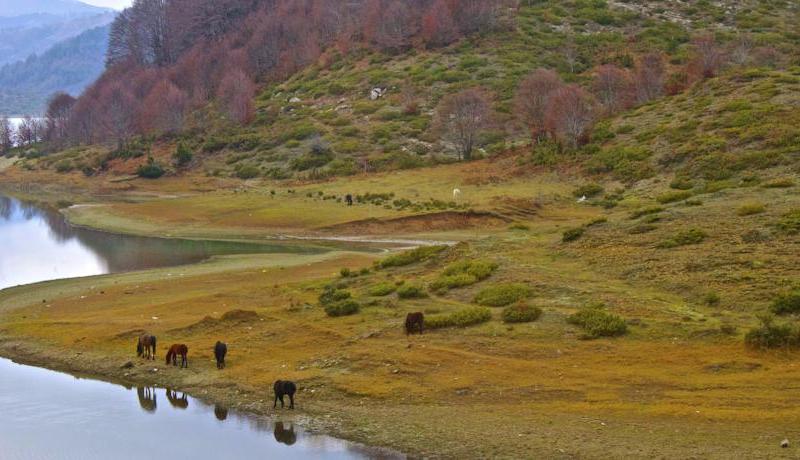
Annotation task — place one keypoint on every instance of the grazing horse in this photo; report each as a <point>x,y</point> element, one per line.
<point>147,398</point>
<point>178,402</point>
<point>284,435</point>
<point>174,351</point>
<point>281,388</point>
<point>220,350</point>
<point>146,346</point>
<point>349,199</point>
<point>415,322</point>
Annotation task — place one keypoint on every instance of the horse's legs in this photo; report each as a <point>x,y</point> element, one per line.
<point>276,402</point>
<point>291,401</point>
<point>282,404</point>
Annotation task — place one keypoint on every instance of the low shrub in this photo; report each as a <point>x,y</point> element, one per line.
<point>346,273</point>
<point>521,313</point>
<point>447,282</point>
<point>749,209</point>
<point>789,223</point>
<point>150,170</point>
<point>331,295</point>
<point>382,289</point>
<point>646,211</point>
<point>596,322</point>
<point>247,172</point>
<point>518,226</point>
<point>463,273</point>
<point>673,196</point>
<point>501,295</point>
<point>411,291</point>
<point>462,318</point>
<point>711,299</point>
<point>182,156</point>
<point>410,257</point>
<point>572,234</point>
<point>788,302</point>
<point>342,308</point>
<point>779,183</point>
<point>684,238</point>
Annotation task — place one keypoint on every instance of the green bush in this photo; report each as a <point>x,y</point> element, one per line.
<point>572,234</point>
<point>684,238</point>
<point>588,190</point>
<point>771,335</point>
<point>501,295</point>
<point>346,273</point>
<point>447,282</point>
<point>462,318</point>
<point>596,322</point>
<point>779,183</point>
<point>410,257</point>
<point>788,302</point>
<point>382,289</point>
<point>671,197</point>
<point>411,291</point>
<point>521,313</point>
<point>331,295</point>
<point>182,156</point>
<point>463,273</point>
<point>247,172</point>
<point>150,170</point>
<point>789,223</point>
<point>646,211</point>
<point>342,308</point>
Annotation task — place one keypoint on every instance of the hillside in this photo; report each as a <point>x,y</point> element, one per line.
<point>69,66</point>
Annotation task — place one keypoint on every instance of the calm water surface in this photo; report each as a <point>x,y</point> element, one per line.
<point>39,245</point>
<point>50,415</point>
<point>55,416</point>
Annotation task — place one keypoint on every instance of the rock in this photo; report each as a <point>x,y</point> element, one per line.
<point>294,100</point>
<point>785,443</point>
<point>376,93</point>
<point>127,365</point>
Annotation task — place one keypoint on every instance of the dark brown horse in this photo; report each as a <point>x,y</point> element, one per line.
<point>415,322</point>
<point>178,402</point>
<point>284,388</point>
<point>220,350</point>
<point>174,351</point>
<point>146,346</point>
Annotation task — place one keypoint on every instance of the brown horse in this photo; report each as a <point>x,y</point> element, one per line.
<point>174,351</point>
<point>415,322</point>
<point>146,346</point>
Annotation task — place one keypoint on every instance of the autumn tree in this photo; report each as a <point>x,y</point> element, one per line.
<point>235,95</point>
<point>438,26</point>
<point>29,131</point>
<point>532,99</point>
<point>570,114</point>
<point>462,117</point>
<point>649,77</point>
<point>57,118</point>
<point>164,108</point>
<point>6,136</point>
<point>612,87</point>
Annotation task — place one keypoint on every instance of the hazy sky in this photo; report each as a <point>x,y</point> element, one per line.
<point>118,4</point>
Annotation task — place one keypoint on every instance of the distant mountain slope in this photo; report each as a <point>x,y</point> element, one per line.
<point>69,66</point>
<point>9,8</point>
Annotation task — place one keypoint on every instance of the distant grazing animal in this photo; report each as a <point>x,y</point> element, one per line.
<point>349,199</point>
<point>415,322</point>
<point>284,435</point>
<point>178,402</point>
<point>147,398</point>
<point>456,194</point>
<point>220,350</point>
<point>282,388</point>
<point>146,346</point>
<point>174,351</point>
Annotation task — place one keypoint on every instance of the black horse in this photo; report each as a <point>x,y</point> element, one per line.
<point>220,350</point>
<point>283,388</point>
<point>284,435</point>
<point>349,199</point>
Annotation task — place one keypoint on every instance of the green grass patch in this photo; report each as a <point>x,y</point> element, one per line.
<point>596,322</point>
<point>462,318</point>
<point>382,289</point>
<point>504,294</point>
<point>786,303</point>
<point>572,234</point>
<point>684,238</point>
<point>789,223</point>
<point>673,196</point>
<point>772,335</point>
<point>342,308</point>
<point>751,208</point>
<point>411,291</point>
<point>411,257</point>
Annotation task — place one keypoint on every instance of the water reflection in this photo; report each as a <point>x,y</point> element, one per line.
<point>285,435</point>
<point>177,401</point>
<point>221,413</point>
<point>147,398</point>
<point>38,245</point>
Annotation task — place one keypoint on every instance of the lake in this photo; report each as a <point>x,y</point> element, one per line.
<point>37,244</point>
<point>51,415</point>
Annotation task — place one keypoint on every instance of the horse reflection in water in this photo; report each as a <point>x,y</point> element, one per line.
<point>221,413</point>
<point>178,402</point>
<point>147,398</point>
<point>284,435</point>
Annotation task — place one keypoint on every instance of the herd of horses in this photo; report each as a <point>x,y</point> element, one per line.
<point>146,348</point>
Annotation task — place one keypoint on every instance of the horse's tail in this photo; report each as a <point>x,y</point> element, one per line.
<point>169,355</point>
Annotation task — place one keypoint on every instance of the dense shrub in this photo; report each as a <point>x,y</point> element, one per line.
<point>462,318</point>
<point>382,289</point>
<point>588,190</point>
<point>771,335</point>
<point>183,156</point>
<point>684,238</point>
<point>521,313</point>
<point>410,257</point>
<point>749,209</point>
<point>646,211</point>
<point>411,291</point>
<point>247,172</point>
<point>597,322</point>
<point>447,282</point>
<point>788,302</point>
<point>150,170</point>
<point>789,223</point>
<point>572,234</point>
<point>673,196</point>
<point>332,295</point>
<point>501,295</point>
<point>463,273</point>
<point>342,308</point>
